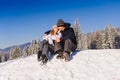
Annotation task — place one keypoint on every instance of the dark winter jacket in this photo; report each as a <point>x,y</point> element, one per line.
<point>68,33</point>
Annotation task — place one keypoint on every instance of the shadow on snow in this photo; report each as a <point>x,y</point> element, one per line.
<point>51,56</point>
<point>73,54</point>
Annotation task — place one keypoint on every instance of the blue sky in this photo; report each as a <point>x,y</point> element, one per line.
<point>24,20</point>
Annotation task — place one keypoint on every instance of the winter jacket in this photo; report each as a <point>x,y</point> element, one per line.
<point>50,38</point>
<point>68,33</point>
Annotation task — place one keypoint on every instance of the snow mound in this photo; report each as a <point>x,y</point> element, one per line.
<point>84,65</point>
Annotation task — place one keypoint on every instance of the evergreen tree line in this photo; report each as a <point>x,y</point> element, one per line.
<point>16,52</point>
<point>109,38</point>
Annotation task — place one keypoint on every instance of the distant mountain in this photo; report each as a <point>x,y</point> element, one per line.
<point>8,48</point>
<point>23,45</point>
<point>1,50</point>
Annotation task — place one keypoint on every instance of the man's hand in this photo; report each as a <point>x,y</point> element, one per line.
<point>57,40</point>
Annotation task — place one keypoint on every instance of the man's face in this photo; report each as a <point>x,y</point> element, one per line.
<point>61,28</point>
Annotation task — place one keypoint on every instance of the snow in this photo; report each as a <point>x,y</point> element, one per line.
<point>84,65</point>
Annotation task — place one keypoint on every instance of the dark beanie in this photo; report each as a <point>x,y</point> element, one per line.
<point>60,23</point>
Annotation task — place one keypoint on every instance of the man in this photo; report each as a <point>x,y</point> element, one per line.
<point>67,43</point>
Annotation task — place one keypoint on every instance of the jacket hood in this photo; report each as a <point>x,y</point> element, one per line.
<point>67,25</point>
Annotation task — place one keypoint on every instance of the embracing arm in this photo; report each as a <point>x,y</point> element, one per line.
<point>47,32</point>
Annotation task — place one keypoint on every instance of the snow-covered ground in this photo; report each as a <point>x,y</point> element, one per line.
<point>84,65</point>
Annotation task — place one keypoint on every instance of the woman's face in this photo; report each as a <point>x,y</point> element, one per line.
<point>55,29</point>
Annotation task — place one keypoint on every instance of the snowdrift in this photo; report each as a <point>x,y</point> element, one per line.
<point>84,65</point>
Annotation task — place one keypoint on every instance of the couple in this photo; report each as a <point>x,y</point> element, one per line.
<point>60,40</point>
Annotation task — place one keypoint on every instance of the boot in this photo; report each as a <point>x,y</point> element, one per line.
<point>60,55</point>
<point>39,55</point>
<point>44,59</point>
<point>66,56</point>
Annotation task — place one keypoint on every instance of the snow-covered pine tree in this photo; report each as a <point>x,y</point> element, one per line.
<point>98,39</point>
<point>116,39</point>
<point>117,42</point>
<point>104,38</point>
<point>80,37</point>
<point>25,51</point>
<point>91,41</point>
<point>3,58</point>
<point>77,32</point>
<point>84,42</point>
<point>32,49</point>
<point>114,34</point>
<point>14,52</point>
<point>38,44</point>
<point>108,37</point>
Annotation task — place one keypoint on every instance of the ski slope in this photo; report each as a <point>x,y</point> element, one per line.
<point>84,65</point>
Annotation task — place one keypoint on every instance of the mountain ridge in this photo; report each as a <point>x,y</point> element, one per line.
<point>8,48</point>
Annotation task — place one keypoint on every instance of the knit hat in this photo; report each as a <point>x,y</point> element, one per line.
<point>60,23</point>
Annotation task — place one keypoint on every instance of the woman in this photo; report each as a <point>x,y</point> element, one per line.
<point>54,33</point>
<point>48,44</point>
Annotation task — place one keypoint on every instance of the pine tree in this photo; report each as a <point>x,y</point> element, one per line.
<point>25,51</point>
<point>98,39</point>
<point>38,44</point>
<point>108,37</point>
<point>84,42</point>
<point>3,59</point>
<point>104,38</point>
<point>14,52</point>
<point>114,34</point>
<point>32,49</point>
<point>91,41</point>
<point>80,37</point>
<point>76,28</point>
<point>116,40</point>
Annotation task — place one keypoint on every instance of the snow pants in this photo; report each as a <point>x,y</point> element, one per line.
<point>66,46</point>
<point>45,48</point>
